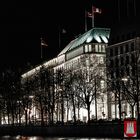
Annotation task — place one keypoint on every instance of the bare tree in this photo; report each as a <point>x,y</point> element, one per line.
<point>89,82</point>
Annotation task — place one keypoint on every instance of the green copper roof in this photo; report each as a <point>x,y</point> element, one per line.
<point>95,35</point>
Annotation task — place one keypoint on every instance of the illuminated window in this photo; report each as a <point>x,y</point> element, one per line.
<point>102,83</point>
<point>100,48</point>
<point>103,48</point>
<point>101,59</point>
<point>96,48</point>
<point>90,48</point>
<point>86,48</point>
<point>102,72</point>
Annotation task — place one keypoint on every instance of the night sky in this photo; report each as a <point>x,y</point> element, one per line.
<point>23,23</point>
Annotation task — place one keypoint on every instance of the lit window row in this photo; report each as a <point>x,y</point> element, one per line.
<point>95,48</point>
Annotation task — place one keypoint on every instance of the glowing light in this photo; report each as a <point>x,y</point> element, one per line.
<point>125,79</point>
<point>18,137</point>
<point>104,39</point>
<point>31,96</point>
<point>33,138</point>
<point>89,39</point>
<point>97,38</point>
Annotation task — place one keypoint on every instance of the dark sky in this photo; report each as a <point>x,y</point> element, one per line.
<point>22,24</point>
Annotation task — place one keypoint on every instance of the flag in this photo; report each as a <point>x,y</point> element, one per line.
<point>43,43</point>
<point>89,14</point>
<point>96,10</point>
<point>63,31</point>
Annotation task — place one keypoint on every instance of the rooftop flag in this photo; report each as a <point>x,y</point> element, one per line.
<point>89,14</point>
<point>63,31</point>
<point>43,43</point>
<point>96,10</point>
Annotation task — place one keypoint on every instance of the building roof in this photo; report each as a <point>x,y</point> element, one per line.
<point>95,35</point>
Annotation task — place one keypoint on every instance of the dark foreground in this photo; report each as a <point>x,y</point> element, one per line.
<point>52,138</point>
<point>94,130</point>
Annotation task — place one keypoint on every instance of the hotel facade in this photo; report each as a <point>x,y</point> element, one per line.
<point>79,79</point>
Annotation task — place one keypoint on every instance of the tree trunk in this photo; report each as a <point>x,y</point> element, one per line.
<point>42,118</point>
<point>57,112</point>
<point>95,106</point>
<point>95,100</point>
<point>52,119</point>
<point>138,112</point>
<point>132,110</point>
<point>26,118</point>
<point>88,109</point>
<point>42,114</point>
<point>74,113</point>
<point>62,109</point>
<point>78,111</point>
<point>115,106</point>
<point>67,110</point>
<point>120,110</point>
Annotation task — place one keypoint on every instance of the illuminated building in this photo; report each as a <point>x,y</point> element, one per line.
<point>123,68</point>
<point>84,56</point>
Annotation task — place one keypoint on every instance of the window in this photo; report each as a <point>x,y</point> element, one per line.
<point>132,46</point>
<point>100,48</point>
<point>102,83</point>
<point>127,60</point>
<point>116,50</point>
<point>117,62</point>
<point>122,61</point>
<point>117,73</point>
<point>102,72</point>
<point>101,59</point>
<point>103,48</point>
<point>126,48</point>
<point>111,63</point>
<point>96,48</point>
<point>128,70</point>
<point>90,48</point>
<point>132,58</point>
<point>86,48</point>
<point>111,52</point>
<point>121,49</point>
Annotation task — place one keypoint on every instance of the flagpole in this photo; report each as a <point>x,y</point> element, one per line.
<point>92,17</point>
<point>85,20</point>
